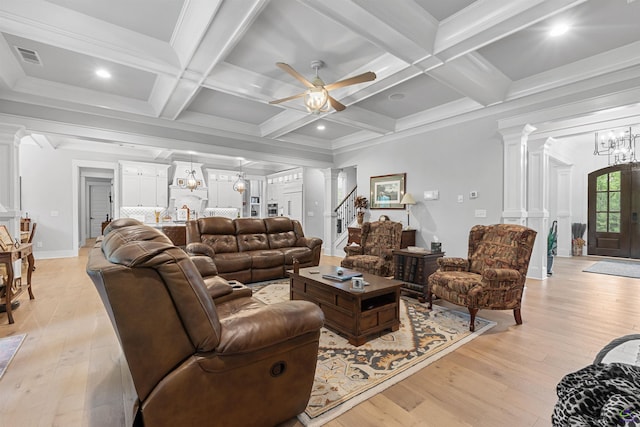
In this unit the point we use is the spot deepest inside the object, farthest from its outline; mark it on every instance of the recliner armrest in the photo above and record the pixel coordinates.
(309, 242)
(386, 254)
(205, 265)
(200, 249)
(500, 277)
(253, 329)
(353, 250)
(453, 264)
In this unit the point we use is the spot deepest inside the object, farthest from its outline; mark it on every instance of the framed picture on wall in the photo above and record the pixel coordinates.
(387, 191)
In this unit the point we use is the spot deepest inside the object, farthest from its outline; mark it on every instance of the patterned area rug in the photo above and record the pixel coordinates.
(347, 375)
(8, 348)
(616, 268)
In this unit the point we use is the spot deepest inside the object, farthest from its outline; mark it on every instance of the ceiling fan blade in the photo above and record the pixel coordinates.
(289, 98)
(294, 73)
(336, 104)
(365, 77)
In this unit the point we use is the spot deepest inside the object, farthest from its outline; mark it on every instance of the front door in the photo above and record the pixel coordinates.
(614, 206)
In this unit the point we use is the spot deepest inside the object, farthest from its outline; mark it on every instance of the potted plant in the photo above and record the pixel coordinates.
(577, 240)
(360, 204)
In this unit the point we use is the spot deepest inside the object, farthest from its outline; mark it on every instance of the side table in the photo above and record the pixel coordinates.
(414, 268)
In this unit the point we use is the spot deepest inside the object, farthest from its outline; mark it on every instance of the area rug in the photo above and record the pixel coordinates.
(348, 375)
(616, 268)
(8, 348)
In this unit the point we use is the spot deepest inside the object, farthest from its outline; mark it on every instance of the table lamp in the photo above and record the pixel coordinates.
(408, 200)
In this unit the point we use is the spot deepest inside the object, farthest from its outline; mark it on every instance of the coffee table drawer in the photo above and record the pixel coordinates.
(338, 318)
(378, 317)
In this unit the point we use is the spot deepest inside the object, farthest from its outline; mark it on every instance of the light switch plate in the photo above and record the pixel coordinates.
(460, 198)
(431, 195)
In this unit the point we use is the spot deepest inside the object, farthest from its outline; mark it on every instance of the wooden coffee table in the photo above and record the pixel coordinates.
(356, 315)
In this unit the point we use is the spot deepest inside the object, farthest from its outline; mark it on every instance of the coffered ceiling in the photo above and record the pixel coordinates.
(198, 75)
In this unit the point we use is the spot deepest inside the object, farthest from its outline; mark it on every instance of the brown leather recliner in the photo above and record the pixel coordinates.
(194, 361)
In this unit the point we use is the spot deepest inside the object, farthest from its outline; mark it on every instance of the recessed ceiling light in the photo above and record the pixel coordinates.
(396, 96)
(559, 29)
(321, 127)
(103, 74)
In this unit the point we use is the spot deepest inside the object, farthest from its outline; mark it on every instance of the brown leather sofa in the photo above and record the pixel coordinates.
(201, 354)
(252, 249)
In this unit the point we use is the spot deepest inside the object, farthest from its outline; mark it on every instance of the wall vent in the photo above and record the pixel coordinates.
(28, 55)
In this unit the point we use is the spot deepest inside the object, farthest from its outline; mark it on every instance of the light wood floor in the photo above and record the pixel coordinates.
(67, 372)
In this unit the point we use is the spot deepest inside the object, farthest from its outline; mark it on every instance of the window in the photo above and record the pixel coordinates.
(608, 202)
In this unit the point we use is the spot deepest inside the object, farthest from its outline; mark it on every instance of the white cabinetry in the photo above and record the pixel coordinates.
(221, 192)
(285, 190)
(144, 184)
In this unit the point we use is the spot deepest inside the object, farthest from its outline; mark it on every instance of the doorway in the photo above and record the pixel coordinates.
(99, 205)
(613, 208)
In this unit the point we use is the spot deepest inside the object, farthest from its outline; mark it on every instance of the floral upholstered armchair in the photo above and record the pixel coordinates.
(375, 253)
(492, 277)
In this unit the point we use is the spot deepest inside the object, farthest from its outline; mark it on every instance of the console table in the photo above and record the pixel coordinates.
(408, 237)
(13, 290)
(414, 268)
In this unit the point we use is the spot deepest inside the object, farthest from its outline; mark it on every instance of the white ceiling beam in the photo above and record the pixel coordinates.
(57, 26)
(407, 31)
(485, 21)
(475, 77)
(224, 32)
(587, 68)
(10, 72)
(60, 93)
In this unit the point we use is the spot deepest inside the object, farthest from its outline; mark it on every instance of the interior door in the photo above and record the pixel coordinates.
(614, 206)
(99, 208)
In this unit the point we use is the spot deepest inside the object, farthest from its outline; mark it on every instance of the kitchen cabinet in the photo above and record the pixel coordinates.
(284, 190)
(144, 184)
(221, 192)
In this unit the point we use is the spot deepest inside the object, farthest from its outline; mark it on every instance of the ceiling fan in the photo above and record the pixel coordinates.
(316, 97)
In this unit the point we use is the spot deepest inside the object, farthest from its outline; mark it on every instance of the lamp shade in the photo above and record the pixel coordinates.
(407, 199)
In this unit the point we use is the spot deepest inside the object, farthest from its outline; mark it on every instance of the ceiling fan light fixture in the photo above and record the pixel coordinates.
(315, 99)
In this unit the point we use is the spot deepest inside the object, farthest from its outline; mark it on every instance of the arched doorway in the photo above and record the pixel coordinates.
(614, 205)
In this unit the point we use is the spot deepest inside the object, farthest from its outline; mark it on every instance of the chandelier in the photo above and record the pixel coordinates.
(240, 185)
(620, 148)
(190, 181)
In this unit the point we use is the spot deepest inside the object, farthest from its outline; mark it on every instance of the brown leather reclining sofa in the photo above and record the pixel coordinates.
(199, 352)
(252, 249)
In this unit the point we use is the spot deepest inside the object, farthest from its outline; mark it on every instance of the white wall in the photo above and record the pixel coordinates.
(454, 161)
(313, 192)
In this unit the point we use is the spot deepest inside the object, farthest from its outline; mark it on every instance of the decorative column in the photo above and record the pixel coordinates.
(515, 178)
(538, 200)
(564, 197)
(10, 136)
(330, 200)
